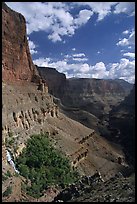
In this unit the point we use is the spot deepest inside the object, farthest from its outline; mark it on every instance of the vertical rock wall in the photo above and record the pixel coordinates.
(17, 64)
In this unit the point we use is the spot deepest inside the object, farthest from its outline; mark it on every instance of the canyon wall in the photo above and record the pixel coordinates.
(17, 65)
(122, 125)
(96, 96)
(56, 81)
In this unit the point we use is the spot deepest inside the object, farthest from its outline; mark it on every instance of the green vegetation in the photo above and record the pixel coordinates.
(8, 191)
(44, 166)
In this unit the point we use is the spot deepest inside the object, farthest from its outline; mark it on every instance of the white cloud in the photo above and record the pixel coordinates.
(83, 17)
(123, 42)
(54, 37)
(67, 56)
(125, 69)
(129, 54)
(51, 17)
(42, 62)
(99, 71)
(85, 68)
(73, 49)
(105, 8)
(80, 59)
(125, 32)
(127, 41)
(32, 47)
(131, 38)
(79, 55)
(101, 8)
(125, 7)
(56, 19)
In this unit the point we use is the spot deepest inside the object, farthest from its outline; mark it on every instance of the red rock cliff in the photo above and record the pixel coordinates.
(17, 64)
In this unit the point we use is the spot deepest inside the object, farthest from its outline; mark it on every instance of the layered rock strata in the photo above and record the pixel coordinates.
(17, 65)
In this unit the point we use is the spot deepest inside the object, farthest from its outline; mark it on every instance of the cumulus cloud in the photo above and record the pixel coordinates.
(99, 71)
(124, 69)
(57, 20)
(127, 41)
(67, 56)
(42, 62)
(103, 9)
(123, 42)
(54, 37)
(125, 32)
(51, 17)
(32, 47)
(129, 54)
(83, 17)
(79, 55)
(80, 59)
(73, 49)
(125, 7)
(100, 8)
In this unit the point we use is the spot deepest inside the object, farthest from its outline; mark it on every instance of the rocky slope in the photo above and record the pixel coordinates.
(31, 111)
(87, 101)
(17, 65)
(117, 189)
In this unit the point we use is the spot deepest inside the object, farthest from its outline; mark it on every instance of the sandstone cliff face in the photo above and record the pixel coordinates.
(56, 81)
(17, 64)
(25, 109)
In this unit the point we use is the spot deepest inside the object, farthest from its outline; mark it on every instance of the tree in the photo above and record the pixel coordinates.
(44, 165)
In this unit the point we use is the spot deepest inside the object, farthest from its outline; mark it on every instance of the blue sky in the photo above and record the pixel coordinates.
(82, 39)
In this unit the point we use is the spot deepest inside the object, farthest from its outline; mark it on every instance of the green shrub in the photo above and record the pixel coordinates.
(44, 165)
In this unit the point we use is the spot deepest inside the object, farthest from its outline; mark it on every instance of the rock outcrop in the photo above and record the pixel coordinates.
(91, 189)
(56, 81)
(17, 65)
